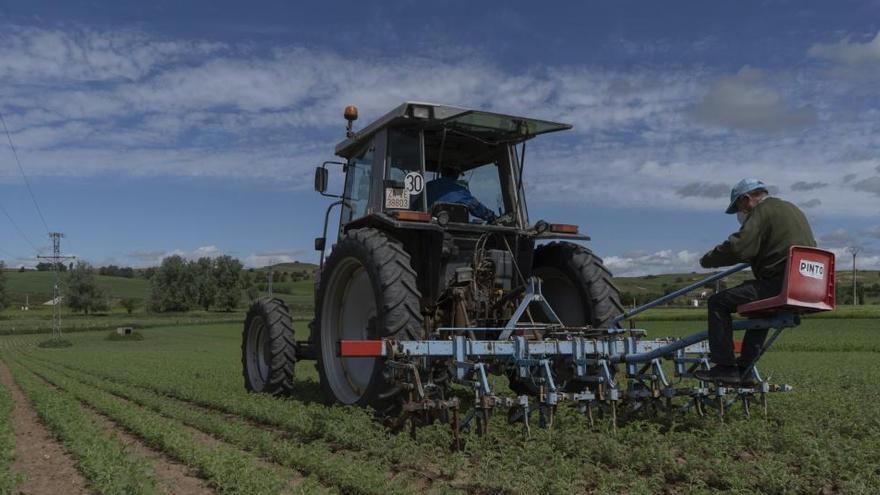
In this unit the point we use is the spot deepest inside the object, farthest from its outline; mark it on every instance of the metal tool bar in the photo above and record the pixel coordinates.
(679, 292)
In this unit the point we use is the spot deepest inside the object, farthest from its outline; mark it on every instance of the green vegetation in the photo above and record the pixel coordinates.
(133, 336)
(8, 480)
(4, 297)
(101, 458)
(228, 470)
(55, 343)
(82, 293)
(824, 437)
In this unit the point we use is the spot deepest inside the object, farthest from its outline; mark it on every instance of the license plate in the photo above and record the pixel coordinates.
(396, 199)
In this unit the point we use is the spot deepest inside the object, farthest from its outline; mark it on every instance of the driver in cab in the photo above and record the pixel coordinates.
(446, 189)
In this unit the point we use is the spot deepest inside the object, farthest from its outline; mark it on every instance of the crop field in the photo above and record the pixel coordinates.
(169, 414)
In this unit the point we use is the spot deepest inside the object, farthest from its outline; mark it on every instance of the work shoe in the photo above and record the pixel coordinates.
(723, 374)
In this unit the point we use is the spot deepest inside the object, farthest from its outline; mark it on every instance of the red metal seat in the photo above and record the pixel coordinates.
(807, 287)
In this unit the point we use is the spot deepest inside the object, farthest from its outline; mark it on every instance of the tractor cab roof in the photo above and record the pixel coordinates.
(492, 128)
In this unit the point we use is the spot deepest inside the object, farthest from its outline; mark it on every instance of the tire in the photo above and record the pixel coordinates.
(579, 289)
(577, 285)
(368, 291)
(268, 354)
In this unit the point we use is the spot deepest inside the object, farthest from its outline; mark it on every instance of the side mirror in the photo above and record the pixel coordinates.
(320, 242)
(320, 179)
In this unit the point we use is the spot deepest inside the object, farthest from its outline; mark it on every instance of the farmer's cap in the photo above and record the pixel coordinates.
(742, 187)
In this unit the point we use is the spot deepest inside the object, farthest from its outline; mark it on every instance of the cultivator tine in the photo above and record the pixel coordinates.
(590, 415)
(614, 416)
(746, 409)
(456, 430)
(764, 404)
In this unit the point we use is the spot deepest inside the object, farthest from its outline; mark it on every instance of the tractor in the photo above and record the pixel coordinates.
(418, 293)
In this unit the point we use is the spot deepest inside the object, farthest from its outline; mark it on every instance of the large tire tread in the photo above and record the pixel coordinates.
(282, 349)
(399, 313)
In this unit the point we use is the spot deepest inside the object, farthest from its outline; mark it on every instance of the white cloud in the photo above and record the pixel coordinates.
(81, 106)
(848, 52)
(664, 261)
(747, 101)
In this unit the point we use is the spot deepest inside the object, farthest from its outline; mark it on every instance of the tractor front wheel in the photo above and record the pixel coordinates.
(268, 354)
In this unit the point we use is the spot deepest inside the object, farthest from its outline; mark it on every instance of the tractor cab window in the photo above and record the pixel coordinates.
(485, 185)
(357, 184)
(404, 181)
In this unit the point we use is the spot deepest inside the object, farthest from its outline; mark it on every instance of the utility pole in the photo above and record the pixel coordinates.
(854, 251)
(271, 276)
(56, 290)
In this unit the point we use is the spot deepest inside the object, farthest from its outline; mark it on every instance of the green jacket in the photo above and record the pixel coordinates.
(763, 240)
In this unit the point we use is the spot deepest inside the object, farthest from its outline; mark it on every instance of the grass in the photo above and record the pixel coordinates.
(228, 470)
(823, 437)
(699, 314)
(13, 321)
(8, 479)
(101, 458)
(133, 336)
(39, 286)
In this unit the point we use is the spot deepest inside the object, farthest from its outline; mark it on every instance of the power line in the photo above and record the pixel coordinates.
(23, 176)
(20, 232)
(7, 253)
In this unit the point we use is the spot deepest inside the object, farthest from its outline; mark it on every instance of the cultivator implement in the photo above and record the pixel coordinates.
(612, 372)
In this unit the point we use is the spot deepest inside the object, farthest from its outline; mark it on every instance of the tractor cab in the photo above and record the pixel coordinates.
(393, 165)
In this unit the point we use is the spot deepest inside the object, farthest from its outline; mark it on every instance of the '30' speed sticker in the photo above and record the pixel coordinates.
(414, 183)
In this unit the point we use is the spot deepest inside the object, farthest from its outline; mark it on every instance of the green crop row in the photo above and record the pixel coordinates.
(823, 437)
(100, 457)
(227, 469)
(194, 380)
(8, 480)
(350, 472)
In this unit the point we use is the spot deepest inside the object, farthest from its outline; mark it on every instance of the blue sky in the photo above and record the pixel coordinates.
(151, 128)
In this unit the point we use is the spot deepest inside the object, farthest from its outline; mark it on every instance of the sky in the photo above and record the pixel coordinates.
(147, 129)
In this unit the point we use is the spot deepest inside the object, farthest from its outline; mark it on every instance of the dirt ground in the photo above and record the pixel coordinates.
(48, 468)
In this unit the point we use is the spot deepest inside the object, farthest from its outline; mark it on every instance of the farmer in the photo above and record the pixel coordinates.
(446, 189)
(769, 227)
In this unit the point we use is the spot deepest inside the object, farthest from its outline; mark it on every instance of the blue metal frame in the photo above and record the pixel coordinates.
(589, 356)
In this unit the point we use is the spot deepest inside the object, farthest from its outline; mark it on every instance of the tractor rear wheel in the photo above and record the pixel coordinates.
(577, 285)
(367, 291)
(268, 355)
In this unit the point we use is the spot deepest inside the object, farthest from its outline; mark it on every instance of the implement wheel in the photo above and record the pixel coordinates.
(367, 291)
(268, 354)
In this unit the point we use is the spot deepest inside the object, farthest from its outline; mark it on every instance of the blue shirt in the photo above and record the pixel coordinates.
(446, 190)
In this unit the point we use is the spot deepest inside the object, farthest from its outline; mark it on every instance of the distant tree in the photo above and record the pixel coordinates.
(227, 273)
(4, 297)
(21, 269)
(253, 293)
(45, 266)
(206, 281)
(149, 272)
(83, 293)
(129, 303)
(173, 287)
